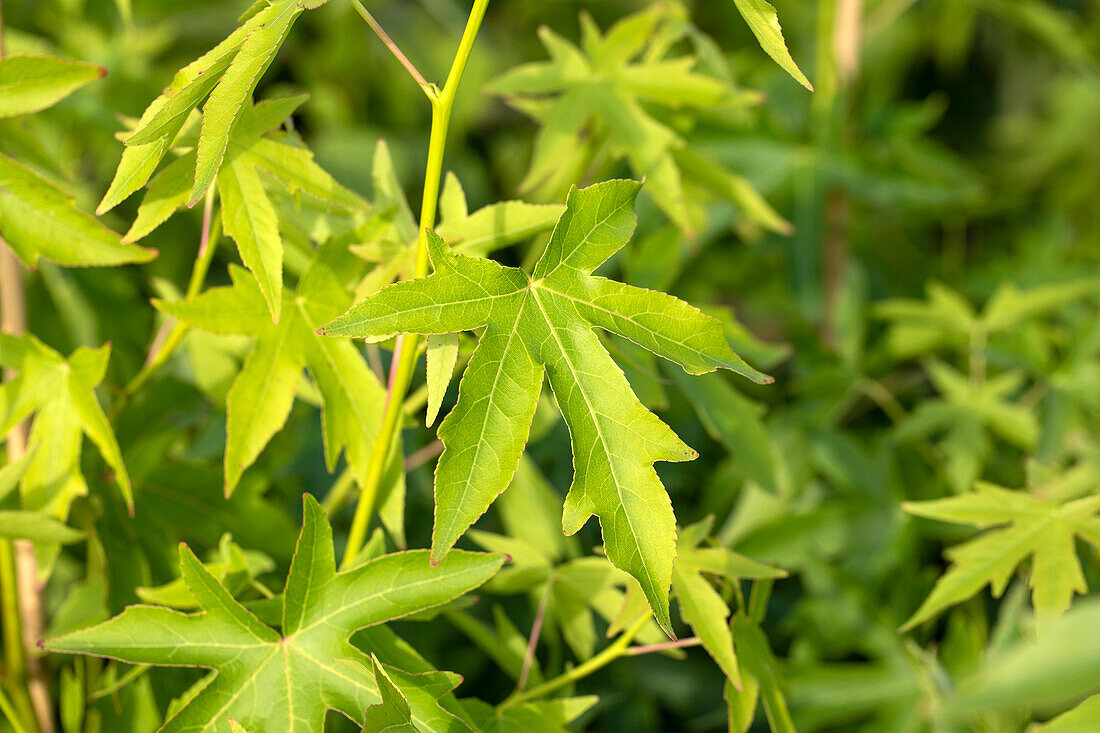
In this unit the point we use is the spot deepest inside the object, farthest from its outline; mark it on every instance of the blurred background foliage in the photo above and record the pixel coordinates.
(930, 316)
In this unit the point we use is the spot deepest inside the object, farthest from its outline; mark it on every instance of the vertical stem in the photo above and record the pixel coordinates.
(22, 603)
(847, 41)
(405, 353)
(22, 606)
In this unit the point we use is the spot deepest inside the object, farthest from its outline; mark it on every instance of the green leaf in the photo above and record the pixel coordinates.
(1028, 525)
(37, 527)
(228, 73)
(39, 220)
(762, 678)
(249, 217)
(442, 355)
(764, 24)
(248, 214)
(969, 416)
(231, 566)
(701, 607)
(598, 97)
(541, 716)
(1054, 669)
(261, 396)
(1078, 720)
(310, 662)
(733, 419)
(60, 393)
(235, 89)
(32, 83)
(393, 714)
(480, 233)
(545, 322)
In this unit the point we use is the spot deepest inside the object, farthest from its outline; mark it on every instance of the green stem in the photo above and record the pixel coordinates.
(404, 358)
(618, 648)
(130, 675)
(9, 713)
(14, 665)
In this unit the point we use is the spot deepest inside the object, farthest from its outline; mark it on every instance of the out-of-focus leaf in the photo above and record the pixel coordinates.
(39, 220)
(1042, 529)
(32, 83)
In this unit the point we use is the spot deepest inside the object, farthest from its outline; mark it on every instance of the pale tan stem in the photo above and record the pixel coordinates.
(848, 39)
(13, 320)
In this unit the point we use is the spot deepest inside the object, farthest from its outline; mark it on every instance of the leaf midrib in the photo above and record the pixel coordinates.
(595, 419)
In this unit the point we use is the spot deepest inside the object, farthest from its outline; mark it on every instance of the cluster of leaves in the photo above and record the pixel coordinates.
(767, 551)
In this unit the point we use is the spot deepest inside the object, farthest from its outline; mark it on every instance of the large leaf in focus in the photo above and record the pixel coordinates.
(602, 84)
(31, 83)
(479, 233)
(545, 321)
(40, 220)
(285, 680)
(260, 399)
(1036, 525)
(228, 74)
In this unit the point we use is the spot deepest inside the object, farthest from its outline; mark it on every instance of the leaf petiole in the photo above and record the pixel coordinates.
(393, 47)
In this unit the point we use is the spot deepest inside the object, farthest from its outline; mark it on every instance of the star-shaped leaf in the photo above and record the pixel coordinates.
(601, 93)
(968, 415)
(60, 393)
(1042, 525)
(228, 74)
(545, 322)
(262, 394)
(285, 680)
(248, 214)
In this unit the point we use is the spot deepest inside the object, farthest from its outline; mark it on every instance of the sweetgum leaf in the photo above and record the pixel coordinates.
(393, 714)
(32, 83)
(269, 680)
(248, 214)
(39, 220)
(60, 393)
(545, 322)
(701, 607)
(604, 90)
(228, 74)
(262, 394)
(764, 24)
(1026, 525)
